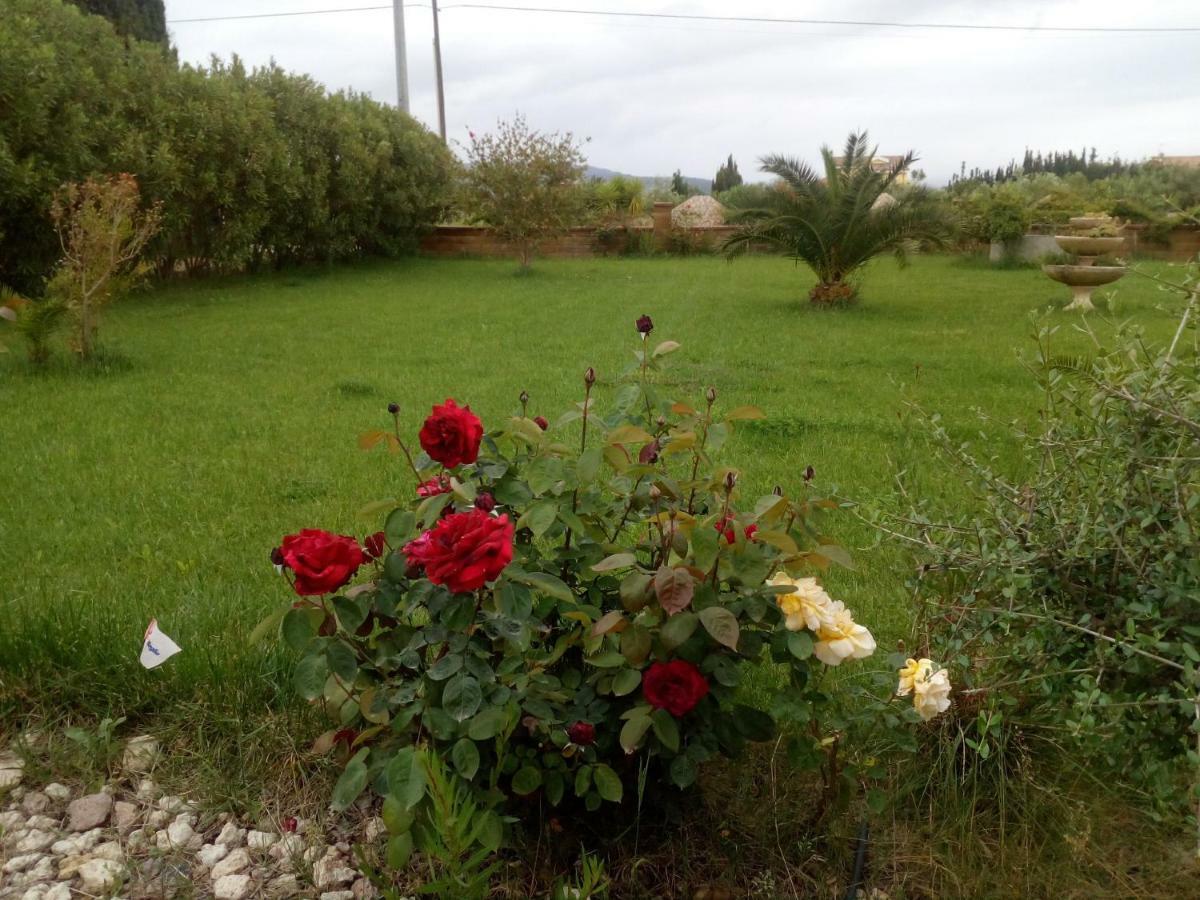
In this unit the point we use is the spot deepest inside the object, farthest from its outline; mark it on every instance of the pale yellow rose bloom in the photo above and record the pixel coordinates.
(931, 694)
(840, 637)
(914, 669)
(807, 606)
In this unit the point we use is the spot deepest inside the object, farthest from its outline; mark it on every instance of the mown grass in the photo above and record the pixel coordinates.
(225, 414)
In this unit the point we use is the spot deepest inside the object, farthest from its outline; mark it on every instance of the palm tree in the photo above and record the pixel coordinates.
(838, 223)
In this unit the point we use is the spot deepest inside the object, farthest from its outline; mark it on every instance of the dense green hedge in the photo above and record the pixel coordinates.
(251, 167)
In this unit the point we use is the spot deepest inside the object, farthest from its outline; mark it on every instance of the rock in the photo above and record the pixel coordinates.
(147, 789)
(77, 843)
(172, 804)
(100, 875)
(312, 854)
(44, 823)
(10, 819)
(68, 866)
(59, 793)
(289, 846)
(158, 818)
(33, 841)
(231, 864)
(42, 870)
(260, 840)
(60, 891)
(338, 895)
(89, 812)
(136, 839)
(20, 863)
(140, 754)
(179, 834)
(211, 854)
(284, 886)
(12, 770)
(363, 890)
(35, 802)
(231, 835)
(374, 830)
(109, 850)
(125, 815)
(233, 887)
(331, 871)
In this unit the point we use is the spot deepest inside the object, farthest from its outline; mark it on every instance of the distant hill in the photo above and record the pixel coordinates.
(703, 184)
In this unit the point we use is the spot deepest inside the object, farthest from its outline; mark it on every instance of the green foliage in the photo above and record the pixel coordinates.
(142, 19)
(1007, 218)
(681, 187)
(727, 176)
(1069, 600)
(257, 167)
(35, 321)
(833, 223)
(524, 184)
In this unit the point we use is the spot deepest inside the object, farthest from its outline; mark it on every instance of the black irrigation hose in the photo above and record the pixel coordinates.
(860, 859)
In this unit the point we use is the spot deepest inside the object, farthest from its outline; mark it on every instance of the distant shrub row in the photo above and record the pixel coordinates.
(251, 167)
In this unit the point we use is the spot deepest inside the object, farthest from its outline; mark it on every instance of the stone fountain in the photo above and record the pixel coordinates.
(1085, 276)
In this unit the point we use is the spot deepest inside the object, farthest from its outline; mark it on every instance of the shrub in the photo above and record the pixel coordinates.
(102, 230)
(36, 322)
(566, 610)
(524, 184)
(1006, 218)
(1068, 598)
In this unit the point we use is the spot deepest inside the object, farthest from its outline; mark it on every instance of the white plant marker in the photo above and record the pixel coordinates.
(157, 648)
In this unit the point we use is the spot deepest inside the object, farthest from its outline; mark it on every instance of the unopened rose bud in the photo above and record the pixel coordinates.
(730, 480)
(589, 377)
(661, 422)
(645, 325)
(394, 408)
(485, 502)
(655, 492)
(541, 422)
(777, 490)
(524, 398)
(277, 556)
(809, 473)
(711, 395)
(649, 453)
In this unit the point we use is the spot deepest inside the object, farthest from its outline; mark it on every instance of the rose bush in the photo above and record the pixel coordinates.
(566, 608)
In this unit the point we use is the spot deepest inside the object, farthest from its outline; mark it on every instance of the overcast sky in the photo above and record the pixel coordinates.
(655, 95)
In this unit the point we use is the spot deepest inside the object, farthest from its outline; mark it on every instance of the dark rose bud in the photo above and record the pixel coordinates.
(730, 480)
(655, 492)
(645, 325)
(649, 453)
(589, 377)
(582, 733)
(750, 532)
(485, 501)
(711, 395)
(777, 490)
(394, 408)
(277, 557)
(345, 736)
(661, 422)
(809, 473)
(541, 422)
(374, 545)
(524, 398)
(289, 825)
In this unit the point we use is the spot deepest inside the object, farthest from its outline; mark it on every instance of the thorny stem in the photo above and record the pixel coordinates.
(404, 447)
(696, 453)
(587, 404)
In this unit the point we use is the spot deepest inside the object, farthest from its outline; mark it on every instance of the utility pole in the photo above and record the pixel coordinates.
(401, 56)
(437, 62)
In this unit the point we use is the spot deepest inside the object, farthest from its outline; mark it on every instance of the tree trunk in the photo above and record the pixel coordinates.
(832, 293)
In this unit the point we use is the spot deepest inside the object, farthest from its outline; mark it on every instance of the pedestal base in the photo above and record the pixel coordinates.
(1081, 298)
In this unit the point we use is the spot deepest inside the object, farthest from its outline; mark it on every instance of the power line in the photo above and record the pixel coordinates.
(866, 23)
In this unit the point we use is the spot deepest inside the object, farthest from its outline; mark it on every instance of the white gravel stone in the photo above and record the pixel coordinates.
(147, 789)
(172, 804)
(43, 870)
(125, 815)
(233, 887)
(109, 850)
(331, 871)
(178, 835)
(338, 895)
(89, 812)
(100, 875)
(260, 840)
(35, 802)
(374, 829)
(34, 840)
(233, 863)
(137, 839)
(12, 770)
(60, 891)
(20, 863)
(231, 835)
(289, 845)
(77, 843)
(211, 854)
(10, 819)
(37, 892)
(68, 866)
(284, 886)
(140, 754)
(59, 793)
(158, 818)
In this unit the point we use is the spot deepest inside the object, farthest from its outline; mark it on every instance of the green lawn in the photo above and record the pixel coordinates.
(157, 485)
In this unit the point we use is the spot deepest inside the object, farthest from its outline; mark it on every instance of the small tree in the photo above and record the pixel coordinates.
(727, 176)
(102, 231)
(681, 186)
(524, 184)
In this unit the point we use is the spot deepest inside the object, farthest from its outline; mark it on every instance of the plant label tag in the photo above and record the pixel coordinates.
(157, 648)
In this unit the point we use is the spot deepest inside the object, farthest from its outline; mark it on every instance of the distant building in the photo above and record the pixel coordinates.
(885, 164)
(1185, 162)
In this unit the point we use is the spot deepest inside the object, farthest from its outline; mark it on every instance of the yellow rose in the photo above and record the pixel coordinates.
(931, 694)
(840, 637)
(914, 670)
(805, 606)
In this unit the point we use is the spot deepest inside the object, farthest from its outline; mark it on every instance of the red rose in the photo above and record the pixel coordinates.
(434, 486)
(451, 435)
(751, 531)
(582, 733)
(464, 550)
(374, 545)
(676, 686)
(540, 422)
(289, 825)
(323, 562)
(725, 527)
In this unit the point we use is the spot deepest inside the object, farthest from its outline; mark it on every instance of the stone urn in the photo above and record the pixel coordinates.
(1084, 276)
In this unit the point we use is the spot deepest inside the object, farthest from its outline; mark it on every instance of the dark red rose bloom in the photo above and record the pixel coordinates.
(323, 562)
(451, 435)
(374, 545)
(649, 454)
(809, 473)
(582, 733)
(645, 325)
(676, 686)
(541, 422)
(485, 502)
(726, 527)
(434, 486)
(464, 550)
(277, 556)
(751, 531)
(289, 825)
